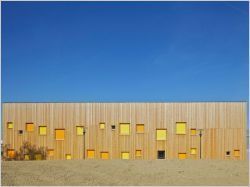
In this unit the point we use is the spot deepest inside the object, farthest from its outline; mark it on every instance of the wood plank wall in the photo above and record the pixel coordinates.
(223, 124)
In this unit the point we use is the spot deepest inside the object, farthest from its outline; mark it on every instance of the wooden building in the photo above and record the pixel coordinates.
(188, 130)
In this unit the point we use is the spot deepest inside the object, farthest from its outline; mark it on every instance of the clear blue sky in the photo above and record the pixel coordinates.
(124, 51)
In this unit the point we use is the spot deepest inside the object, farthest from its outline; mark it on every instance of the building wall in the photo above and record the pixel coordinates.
(223, 127)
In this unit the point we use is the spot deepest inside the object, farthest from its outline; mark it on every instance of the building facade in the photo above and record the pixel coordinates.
(188, 130)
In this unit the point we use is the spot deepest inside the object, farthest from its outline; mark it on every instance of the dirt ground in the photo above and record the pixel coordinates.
(125, 172)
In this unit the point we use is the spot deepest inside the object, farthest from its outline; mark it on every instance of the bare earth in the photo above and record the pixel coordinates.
(125, 172)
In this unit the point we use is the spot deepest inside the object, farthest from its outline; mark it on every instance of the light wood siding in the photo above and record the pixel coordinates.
(223, 127)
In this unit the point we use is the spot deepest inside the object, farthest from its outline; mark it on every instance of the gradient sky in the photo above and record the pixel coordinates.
(124, 51)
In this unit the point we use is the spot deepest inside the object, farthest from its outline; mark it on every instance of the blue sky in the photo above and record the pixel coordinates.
(124, 51)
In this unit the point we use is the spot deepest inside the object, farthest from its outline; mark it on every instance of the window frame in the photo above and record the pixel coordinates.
(79, 126)
(104, 152)
(139, 124)
(63, 135)
(191, 130)
(102, 124)
(182, 154)
(39, 132)
(88, 154)
(161, 129)
(124, 152)
(123, 134)
(33, 127)
(10, 123)
(138, 150)
(176, 128)
(193, 148)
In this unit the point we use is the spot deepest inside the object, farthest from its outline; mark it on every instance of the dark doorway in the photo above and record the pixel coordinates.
(161, 155)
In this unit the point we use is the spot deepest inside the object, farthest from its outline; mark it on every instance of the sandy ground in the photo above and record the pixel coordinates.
(122, 172)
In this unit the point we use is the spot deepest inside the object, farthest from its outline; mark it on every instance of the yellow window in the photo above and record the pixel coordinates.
(104, 155)
(140, 128)
(11, 153)
(60, 134)
(138, 153)
(68, 156)
(10, 125)
(38, 157)
(79, 130)
(193, 131)
(26, 157)
(182, 156)
(125, 155)
(30, 127)
(180, 128)
(91, 153)
(236, 152)
(50, 152)
(102, 125)
(124, 129)
(161, 134)
(193, 151)
(42, 130)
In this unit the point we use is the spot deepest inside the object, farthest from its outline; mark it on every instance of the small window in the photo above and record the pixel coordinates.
(139, 128)
(193, 132)
(227, 153)
(50, 152)
(125, 155)
(20, 131)
(113, 127)
(161, 154)
(138, 153)
(26, 157)
(180, 128)
(11, 153)
(124, 129)
(193, 151)
(38, 157)
(30, 127)
(42, 130)
(182, 156)
(104, 155)
(237, 153)
(10, 125)
(161, 134)
(102, 125)
(79, 130)
(68, 156)
(60, 134)
(91, 153)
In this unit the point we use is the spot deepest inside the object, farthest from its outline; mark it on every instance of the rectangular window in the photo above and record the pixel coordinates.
(161, 154)
(91, 153)
(30, 127)
(182, 156)
(125, 155)
(193, 151)
(38, 157)
(139, 128)
(11, 153)
(124, 129)
(102, 125)
(60, 134)
(227, 153)
(26, 157)
(161, 134)
(113, 127)
(79, 130)
(42, 130)
(20, 131)
(180, 128)
(237, 153)
(193, 132)
(50, 152)
(104, 155)
(68, 156)
(138, 153)
(10, 125)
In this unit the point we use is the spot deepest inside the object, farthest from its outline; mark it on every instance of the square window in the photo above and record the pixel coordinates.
(161, 154)
(26, 157)
(138, 153)
(125, 155)
(227, 153)
(38, 157)
(139, 128)
(180, 128)
(161, 134)
(30, 127)
(124, 129)
(193, 132)
(50, 152)
(42, 130)
(11, 153)
(79, 130)
(102, 125)
(113, 127)
(68, 156)
(20, 131)
(104, 155)
(193, 151)
(60, 134)
(91, 153)
(237, 153)
(182, 156)
(10, 125)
